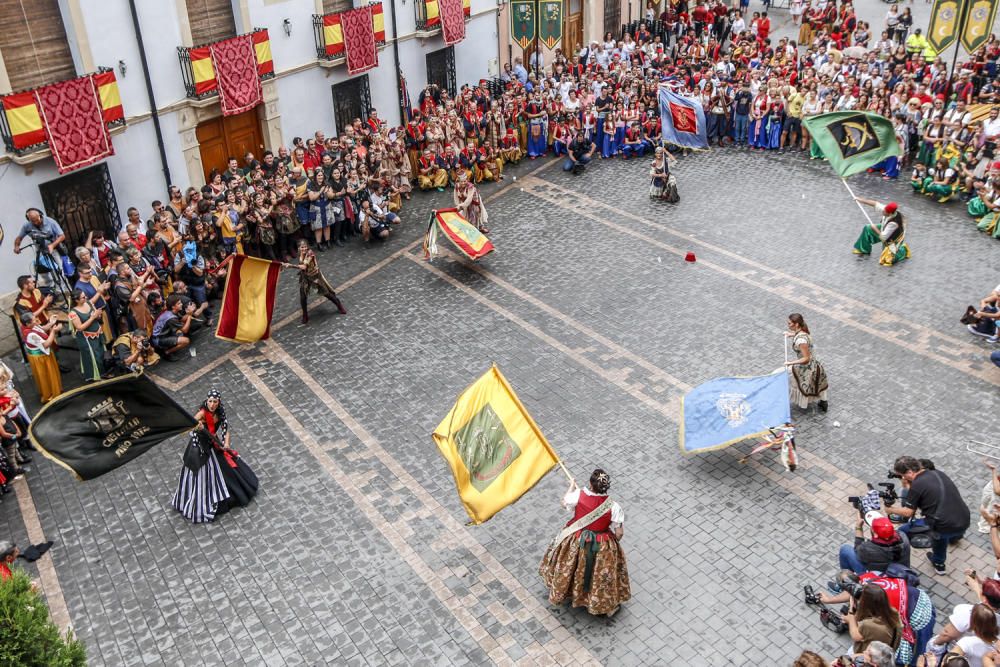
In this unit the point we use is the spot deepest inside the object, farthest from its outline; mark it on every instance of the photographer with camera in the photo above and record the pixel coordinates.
(42, 230)
(580, 151)
(134, 352)
(886, 546)
(938, 500)
(171, 329)
(912, 605)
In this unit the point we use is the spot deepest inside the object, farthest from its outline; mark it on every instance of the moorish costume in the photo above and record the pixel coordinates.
(311, 278)
(891, 233)
(214, 477)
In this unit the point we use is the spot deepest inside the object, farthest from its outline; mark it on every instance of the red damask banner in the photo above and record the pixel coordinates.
(452, 21)
(74, 123)
(235, 65)
(359, 37)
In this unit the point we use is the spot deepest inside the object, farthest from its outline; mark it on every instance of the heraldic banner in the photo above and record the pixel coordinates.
(945, 18)
(978, 22)
(852, 141)
(683, 120)
(96, 428)
(550, 28)
(494, 448)
(725, 411)
(522, 22)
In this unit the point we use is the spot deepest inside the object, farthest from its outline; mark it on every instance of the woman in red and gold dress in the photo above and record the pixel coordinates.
(585, 563)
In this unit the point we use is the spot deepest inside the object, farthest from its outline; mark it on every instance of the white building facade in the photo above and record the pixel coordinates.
(305, 94)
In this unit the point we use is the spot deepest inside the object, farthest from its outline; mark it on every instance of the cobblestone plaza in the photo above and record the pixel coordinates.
(356, 550)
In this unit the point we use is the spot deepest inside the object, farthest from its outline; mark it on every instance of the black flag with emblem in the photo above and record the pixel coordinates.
(853, 141)
(96, 428)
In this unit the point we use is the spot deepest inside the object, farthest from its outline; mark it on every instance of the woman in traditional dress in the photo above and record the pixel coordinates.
(659, 174)
(891, 232)
(469, 203)
(133, 290)
(538, 125)
(585, 563)
(203, 490)
(311, 278)
(808, 381)
(39, 342)
(86, 321)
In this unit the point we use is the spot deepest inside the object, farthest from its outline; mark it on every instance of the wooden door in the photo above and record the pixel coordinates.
(573, 30)
(228, 136)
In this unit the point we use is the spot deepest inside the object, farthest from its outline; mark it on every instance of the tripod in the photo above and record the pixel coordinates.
(48, 274)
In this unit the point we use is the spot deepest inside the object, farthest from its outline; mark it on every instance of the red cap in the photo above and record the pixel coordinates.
(995, 165)
(883, 529)
(891, 207)
(939, 96)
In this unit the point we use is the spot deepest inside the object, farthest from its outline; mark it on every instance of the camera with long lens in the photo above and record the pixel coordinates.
(829, 617)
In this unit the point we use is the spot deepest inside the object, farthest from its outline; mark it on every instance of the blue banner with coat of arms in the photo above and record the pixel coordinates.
(724, 411)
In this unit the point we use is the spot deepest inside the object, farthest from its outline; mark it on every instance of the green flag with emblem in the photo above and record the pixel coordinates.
(853, 141)
(550, 29)
(522, 22)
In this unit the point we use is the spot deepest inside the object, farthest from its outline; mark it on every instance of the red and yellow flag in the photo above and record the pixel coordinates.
(248, 301)
(467, 8)
(111, 98)
(448, 221)
(333, 35)
(378, 23)
(433, 13)
(262, 49)
(495, 450)
(24, 120)
(204, 73)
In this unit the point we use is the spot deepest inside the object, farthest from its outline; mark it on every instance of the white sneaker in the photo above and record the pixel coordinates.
(975, 332)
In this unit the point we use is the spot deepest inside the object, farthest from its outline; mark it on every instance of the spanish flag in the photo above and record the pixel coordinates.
(378, 23)
(262, 49)
(494, 448)
(24, 120)
(448, 221)
(248, 301)
(204, 73)
(467, 8)
(111, 98)
(433, 13)
(333, 35)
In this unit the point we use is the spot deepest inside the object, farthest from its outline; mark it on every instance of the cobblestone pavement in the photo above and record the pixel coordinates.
(356, 550)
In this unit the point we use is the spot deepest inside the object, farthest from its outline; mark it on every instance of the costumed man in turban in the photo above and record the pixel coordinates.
(890, 232)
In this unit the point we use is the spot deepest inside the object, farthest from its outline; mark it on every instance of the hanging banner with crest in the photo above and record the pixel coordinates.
(550, 28)
(522, 22)
(945, 18)
(978, 21)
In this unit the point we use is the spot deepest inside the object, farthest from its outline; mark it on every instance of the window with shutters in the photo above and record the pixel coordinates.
(210, 20)
(33, 43)
(335, 6)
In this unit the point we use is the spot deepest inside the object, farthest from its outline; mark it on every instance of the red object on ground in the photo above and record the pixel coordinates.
(690, 257)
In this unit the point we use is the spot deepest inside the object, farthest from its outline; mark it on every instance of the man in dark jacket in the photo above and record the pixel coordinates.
(887, 545)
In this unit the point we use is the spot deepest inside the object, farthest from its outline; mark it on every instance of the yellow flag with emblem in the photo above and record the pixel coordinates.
(494, 448)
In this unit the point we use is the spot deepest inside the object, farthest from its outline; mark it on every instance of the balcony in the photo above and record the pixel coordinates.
(328, 36)
(21, 126)
(428, 16)
(199, 75)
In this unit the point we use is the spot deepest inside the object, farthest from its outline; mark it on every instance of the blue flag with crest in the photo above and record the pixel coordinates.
(724, 411)
(682, 120)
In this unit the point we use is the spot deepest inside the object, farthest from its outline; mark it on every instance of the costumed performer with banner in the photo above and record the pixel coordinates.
(214, 477)
(808, 382)
(469, 203)
(890, 232)
(585, 562)
(311, 278)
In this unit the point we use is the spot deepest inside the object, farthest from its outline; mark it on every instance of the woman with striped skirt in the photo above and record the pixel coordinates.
(215, 477)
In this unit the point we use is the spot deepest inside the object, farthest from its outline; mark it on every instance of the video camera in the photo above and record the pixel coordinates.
(829, 617)
(873, 500)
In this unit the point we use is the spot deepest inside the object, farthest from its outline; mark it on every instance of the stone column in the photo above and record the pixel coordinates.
(187, 123)
(270, 118)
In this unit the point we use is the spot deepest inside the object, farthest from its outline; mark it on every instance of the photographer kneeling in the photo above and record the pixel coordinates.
(885, 546)
(936, 496)
(912, 608)
(579, 153)
(134, 352)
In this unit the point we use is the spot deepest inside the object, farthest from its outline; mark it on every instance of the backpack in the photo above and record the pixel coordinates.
(900, 571)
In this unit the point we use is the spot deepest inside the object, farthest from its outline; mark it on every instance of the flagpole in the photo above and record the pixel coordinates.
(851, 192)
(561, 465)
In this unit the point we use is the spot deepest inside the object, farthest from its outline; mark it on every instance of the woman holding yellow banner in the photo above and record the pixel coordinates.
(585, 563)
